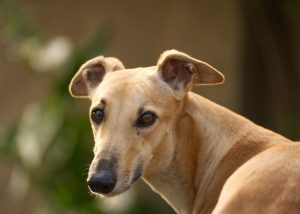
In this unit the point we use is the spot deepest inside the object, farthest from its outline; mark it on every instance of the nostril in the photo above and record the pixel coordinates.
(92, 185)
(102, 182)
(106, 188)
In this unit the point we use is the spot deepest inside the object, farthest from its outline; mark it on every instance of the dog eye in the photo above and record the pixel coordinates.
(97, 115)
(146, 119)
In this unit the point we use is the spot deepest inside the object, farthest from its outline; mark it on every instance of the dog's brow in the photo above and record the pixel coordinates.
(141, 110)
(103, 102)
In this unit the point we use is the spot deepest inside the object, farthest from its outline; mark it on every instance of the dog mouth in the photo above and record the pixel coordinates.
(128, 181)
(137, 173)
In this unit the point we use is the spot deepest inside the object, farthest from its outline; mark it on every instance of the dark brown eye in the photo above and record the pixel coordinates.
(146, 119)
(97, 115)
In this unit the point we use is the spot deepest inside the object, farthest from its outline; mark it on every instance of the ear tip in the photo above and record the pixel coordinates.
(72, 90)
(222, 78)
(218, 81)
(75, 92)
(115, 63)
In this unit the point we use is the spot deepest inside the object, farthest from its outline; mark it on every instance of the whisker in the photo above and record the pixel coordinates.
(86, 169)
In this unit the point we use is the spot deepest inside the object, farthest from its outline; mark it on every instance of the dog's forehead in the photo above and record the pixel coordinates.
(134, 76)
(134, 84)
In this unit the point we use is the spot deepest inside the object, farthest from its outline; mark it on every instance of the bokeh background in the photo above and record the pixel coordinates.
(45, 139)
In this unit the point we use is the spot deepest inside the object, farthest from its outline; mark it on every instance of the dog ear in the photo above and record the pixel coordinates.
(181, 71)
(91, 73)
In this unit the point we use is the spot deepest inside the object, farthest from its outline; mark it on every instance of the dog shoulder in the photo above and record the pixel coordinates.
(268, 183)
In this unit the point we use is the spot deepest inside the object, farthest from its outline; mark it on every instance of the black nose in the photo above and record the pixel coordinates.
(102, 182)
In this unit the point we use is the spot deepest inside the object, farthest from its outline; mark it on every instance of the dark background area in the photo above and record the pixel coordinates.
(45, 137)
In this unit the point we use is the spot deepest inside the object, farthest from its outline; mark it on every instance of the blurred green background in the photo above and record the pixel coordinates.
(45, 137)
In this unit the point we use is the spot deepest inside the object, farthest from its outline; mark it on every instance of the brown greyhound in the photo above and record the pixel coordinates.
(147, 123)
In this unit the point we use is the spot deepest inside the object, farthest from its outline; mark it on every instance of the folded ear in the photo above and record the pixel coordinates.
(91, 73)
(181, 71)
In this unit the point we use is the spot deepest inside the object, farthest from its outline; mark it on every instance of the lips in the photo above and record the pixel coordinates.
(137, 173)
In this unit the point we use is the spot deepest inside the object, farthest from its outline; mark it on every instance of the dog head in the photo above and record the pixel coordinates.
(133, 112)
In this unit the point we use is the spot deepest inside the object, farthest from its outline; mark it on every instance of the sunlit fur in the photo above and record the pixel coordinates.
(193, 148)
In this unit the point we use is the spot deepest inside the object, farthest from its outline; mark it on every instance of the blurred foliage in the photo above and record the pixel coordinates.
(59, 176)
(51, 144)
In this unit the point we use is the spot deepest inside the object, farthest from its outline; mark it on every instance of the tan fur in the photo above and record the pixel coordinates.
(195, 146)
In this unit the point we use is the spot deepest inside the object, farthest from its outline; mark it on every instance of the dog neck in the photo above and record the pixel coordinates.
(210, 143)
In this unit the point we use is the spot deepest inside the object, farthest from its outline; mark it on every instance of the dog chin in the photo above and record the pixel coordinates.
(111, 194)
(118, 191)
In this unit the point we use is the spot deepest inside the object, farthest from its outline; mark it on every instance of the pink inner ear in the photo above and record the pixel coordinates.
(79, 87)
(170, 70)
(175, 71)
(94, 74)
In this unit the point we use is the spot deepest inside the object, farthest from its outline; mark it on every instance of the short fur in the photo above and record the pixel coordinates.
(194, 147)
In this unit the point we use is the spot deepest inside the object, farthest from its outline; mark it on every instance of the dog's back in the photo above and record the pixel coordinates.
(267, 183)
